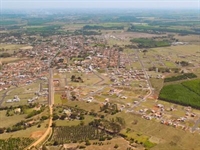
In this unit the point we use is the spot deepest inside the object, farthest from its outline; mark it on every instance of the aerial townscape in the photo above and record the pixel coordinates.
(111, 78)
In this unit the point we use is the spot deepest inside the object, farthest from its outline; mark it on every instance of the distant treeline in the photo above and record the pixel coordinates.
(158, 29)
(95, 27)
(85, 32)
(180, 77)
(43, 31)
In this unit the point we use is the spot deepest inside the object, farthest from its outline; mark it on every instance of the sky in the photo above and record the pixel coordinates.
(151, 4)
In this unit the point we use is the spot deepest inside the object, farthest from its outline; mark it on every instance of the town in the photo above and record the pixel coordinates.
(98, 85)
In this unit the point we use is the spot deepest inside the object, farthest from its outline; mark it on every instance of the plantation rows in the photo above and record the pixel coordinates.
(15, 143)
(179, 94)
(76, 133)
(193, 85)
(180, 77)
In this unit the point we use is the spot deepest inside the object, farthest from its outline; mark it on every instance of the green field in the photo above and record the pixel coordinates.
(193, 85)
(15, 143)
(149, 43)
(186, 93)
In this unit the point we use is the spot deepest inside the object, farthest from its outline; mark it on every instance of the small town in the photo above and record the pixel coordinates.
(125, 80)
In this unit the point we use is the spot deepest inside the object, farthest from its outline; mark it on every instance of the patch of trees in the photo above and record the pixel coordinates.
(158, 30)
(77, 113)
(85, 32)
(180, 77)
(76, 134)
(131, 46)
(35, 112)
(109, 108)
(4, 55)
(95, 27)
(179, 94)
(149, 43)
(112, 126)
(163, 70)
(76, 79)
(15, 143)
(182, 63)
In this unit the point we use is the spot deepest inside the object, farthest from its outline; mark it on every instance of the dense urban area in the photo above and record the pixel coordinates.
(118, 79)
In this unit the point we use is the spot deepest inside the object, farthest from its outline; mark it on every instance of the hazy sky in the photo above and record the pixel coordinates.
(100, 4)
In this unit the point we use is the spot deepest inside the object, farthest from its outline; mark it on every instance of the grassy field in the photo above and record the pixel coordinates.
(33, 131)
(157, 84)
(164, 135)
(9, 121)
(24, 93)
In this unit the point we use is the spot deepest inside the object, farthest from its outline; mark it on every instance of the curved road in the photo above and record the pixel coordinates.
(47, 132)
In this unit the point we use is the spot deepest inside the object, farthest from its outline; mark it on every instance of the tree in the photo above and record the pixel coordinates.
(53, 125)
(116, 146)
(82, 123)
(73, 77)
(87, 142)
(44, 147)
(1, 130)
(55, 117)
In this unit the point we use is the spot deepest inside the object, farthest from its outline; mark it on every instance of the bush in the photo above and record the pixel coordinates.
(55, 143)
(87, 142)
(44, 118)
(1, 130)
(82, 147)
(116, 146)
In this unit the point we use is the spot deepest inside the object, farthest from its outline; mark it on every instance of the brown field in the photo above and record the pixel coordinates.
(193, 39)
(11, 59)
(10, 46)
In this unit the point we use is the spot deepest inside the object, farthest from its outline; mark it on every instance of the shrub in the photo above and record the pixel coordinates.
(116, 146)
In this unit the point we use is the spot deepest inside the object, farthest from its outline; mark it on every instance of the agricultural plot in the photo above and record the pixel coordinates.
(193, 85)
(184, 94)
(180, 77)
(15, 143)
(76, 133)
(148, 43)
(5, 47)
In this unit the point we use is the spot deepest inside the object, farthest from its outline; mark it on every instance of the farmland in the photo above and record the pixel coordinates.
(186, 93)
(193, 85)
(15, 143)
(180, 77)
(149, 43)
(76, 133)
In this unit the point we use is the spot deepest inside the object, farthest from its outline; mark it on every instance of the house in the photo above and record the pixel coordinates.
(68, 112)
(17, 110)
